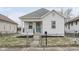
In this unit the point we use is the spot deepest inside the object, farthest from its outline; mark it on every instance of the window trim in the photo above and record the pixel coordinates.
(30, 25)
(53, 24)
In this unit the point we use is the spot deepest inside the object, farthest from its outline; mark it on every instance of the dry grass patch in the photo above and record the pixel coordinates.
(64, 41)
(14, 42)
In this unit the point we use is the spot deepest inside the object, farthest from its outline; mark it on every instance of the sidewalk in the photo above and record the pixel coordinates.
(41, 49)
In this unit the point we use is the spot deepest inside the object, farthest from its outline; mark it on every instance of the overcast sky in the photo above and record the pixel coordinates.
(15, 12)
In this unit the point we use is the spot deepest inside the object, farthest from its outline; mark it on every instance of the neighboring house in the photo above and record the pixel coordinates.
(7, 25)
(43, 20)
(72, 26)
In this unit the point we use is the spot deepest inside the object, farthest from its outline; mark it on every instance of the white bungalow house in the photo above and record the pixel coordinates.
(7, 25)
(43, 20)
(72, 26)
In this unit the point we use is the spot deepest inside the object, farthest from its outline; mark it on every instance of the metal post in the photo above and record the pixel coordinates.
(75, 34)
(75, 37)
(27, 38)
(46, 40)
(46, 37)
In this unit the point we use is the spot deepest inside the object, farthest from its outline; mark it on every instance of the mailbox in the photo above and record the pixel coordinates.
(45, 32)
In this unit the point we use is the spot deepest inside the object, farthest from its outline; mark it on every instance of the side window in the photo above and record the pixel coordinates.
(53, 24)
(30, 25)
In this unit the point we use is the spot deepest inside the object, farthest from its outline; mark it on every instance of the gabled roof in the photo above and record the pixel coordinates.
(39, 13)
(74, 19)
(4, 18)
(58, 13)
(36, 14)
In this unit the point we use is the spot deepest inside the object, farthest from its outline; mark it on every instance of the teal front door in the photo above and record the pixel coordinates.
(38, 27)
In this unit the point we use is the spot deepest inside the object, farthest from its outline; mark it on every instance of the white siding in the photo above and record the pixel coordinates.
(73, 27)
(59, 30)
(46, 25)
(6, 27)
(27, 30)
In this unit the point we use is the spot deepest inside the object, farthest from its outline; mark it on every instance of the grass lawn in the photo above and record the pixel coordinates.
(8, 41)
(64, 41)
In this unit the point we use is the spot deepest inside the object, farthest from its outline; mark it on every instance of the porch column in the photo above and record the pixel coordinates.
(34, 27)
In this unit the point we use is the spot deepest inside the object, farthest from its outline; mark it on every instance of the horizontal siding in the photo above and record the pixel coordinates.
(6, 27)
(73, 27)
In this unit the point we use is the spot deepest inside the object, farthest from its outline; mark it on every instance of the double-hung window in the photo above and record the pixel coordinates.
(30, 25)
(53, 24)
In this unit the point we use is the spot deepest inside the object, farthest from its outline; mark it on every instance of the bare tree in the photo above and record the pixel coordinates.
(68, 13)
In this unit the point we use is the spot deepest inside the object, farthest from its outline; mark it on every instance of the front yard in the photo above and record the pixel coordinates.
(57, 41)
(9, 41)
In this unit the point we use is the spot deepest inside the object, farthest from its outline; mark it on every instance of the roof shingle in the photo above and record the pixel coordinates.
(73, 20)
(4, 18)
(36, 14)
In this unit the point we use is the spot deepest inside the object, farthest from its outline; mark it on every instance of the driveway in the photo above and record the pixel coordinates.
(41, 49)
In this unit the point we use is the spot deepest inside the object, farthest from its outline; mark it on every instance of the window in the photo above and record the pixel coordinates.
(76, 22)
(53, 24)
(30, 25)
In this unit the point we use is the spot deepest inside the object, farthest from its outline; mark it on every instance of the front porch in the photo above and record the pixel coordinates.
(32, 28)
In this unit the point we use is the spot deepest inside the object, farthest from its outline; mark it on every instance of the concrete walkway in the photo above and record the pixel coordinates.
(35, 43)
